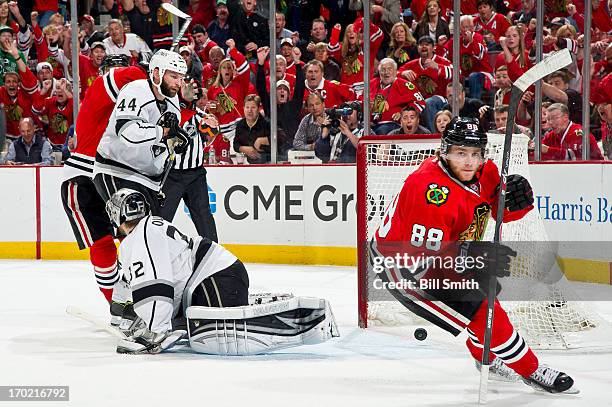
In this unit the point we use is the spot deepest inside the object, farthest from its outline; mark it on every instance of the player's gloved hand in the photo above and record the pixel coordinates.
(170, 121)
(490, 258)
(145, 341)
(519, 194)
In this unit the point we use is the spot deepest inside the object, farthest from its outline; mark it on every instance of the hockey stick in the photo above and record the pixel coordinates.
(85, 316)
(169, 165)
(170, 8)
(552, 63)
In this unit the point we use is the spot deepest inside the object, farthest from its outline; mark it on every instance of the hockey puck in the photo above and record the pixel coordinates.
(420, 334)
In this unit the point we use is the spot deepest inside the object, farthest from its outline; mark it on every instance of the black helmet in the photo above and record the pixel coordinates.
(463, 131)
(114, 60)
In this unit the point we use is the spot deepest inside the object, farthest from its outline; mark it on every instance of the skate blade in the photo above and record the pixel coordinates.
(571, 391)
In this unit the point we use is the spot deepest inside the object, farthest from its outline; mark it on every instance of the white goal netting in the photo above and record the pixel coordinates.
(549, 315)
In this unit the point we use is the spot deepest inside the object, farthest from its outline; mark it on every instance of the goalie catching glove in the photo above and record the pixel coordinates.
(180, 137)
(143, 340)
(519, 194)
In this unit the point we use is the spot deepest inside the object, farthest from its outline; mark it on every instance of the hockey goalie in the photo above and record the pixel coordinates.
(182, 286)
(441, 213)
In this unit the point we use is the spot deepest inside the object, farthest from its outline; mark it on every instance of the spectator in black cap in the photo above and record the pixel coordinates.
(202, 42)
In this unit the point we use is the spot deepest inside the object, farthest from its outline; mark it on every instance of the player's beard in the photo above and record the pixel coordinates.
(166, 91)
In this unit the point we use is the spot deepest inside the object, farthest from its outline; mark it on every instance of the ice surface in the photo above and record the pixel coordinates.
(41, 345)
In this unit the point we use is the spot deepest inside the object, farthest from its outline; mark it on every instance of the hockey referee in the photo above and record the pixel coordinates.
(187, 179)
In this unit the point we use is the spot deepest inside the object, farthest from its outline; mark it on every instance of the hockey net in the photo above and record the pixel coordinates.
(556, 320)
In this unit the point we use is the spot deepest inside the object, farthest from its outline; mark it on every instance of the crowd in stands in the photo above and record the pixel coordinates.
(319, 58)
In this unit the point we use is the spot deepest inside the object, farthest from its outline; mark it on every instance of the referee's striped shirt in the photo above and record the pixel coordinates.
(194, 156)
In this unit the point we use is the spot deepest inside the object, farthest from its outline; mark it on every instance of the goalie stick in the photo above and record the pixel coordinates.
(170, 8)
(552, 63)
(85, 316)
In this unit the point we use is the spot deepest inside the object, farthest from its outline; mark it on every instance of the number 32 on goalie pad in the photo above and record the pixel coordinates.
(261, 328)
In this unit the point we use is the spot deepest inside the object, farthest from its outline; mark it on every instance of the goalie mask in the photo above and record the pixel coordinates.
(463, 131)
(125, 205)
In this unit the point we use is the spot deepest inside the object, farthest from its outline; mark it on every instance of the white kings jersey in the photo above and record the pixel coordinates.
(131, 42)
(164, 267)
(132, 147)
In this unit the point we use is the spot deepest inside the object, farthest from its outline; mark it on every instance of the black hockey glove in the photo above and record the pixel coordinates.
(170, 121)
(490, 258)
(519, 194)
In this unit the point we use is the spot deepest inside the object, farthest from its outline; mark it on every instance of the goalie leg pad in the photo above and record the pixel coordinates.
(260, 328)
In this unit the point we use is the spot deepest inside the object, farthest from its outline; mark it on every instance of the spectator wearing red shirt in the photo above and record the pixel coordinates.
(564, 140)
(228, 91)
(350, 55)
(431, 74)
(474, 58)
(56, 110)
(332, 93)
(513, 54)
(15, 96)
(89, 66)
(203, 44)
(209, 70)
(389, 95)
(292, 56)
(490, 24)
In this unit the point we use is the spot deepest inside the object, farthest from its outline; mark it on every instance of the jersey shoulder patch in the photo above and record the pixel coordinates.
(437, 194)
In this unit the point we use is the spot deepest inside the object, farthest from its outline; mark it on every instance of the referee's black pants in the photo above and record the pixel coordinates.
(191, 185)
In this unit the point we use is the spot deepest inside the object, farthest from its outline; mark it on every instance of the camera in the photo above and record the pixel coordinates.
(335, 115)
(345, 109)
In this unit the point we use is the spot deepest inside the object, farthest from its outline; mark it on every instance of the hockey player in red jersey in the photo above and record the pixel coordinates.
(443, 209)
(82, 204)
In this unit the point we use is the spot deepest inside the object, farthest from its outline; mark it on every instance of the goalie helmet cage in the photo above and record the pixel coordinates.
(558, 320)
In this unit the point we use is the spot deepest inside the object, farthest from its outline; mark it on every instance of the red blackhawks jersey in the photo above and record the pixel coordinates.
(474, 55)
(497, 25)
(515, 68)
(88, 72)
(430, 81)
(58, 117)
(230, 98)
(93, 117)
(20, 106)
(568, 146)
(205, 50)
(333, 93)
(351, 67)
(386, 100)
(434, 205)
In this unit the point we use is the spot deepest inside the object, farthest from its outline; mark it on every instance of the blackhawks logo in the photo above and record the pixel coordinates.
(403, 57)
(426, 85)
(379, 105)
(436, 194)
(163, 17)
(14, 113)
(466, 63)
(476, 229)
(58, 124)
(352, 65)
(225, 103)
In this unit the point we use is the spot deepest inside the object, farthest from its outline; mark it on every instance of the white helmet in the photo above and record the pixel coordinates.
(166, 60)
(125, 205)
